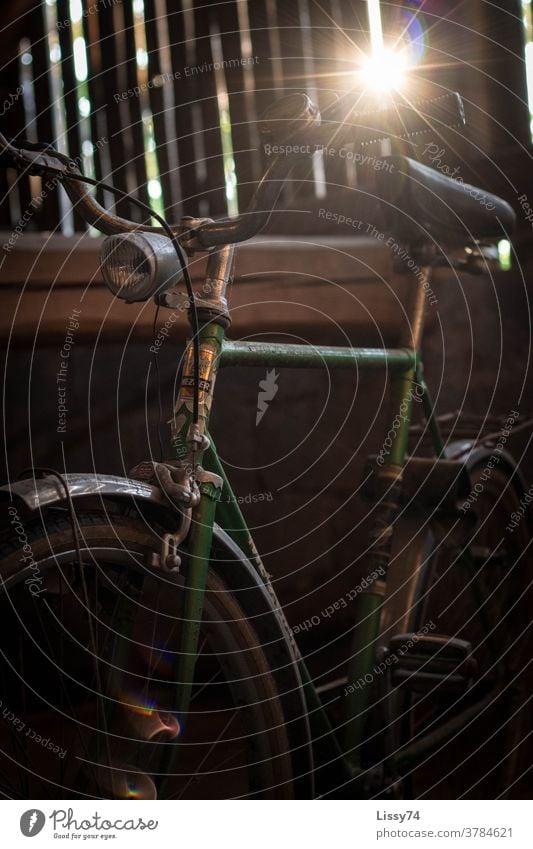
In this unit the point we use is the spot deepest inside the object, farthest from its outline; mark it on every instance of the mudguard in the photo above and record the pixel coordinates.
(39, 493)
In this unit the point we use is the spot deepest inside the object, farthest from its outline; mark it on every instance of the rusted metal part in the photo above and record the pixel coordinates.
(211, 300)
(174, 477)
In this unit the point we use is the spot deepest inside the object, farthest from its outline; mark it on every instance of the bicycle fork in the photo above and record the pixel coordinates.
(189, 442)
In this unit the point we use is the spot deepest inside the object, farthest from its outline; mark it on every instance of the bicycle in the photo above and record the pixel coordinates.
(138, 610)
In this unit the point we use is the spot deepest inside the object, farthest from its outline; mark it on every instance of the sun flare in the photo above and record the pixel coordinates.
(384, 70)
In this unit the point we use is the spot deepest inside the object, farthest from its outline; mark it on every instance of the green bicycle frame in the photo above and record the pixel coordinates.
(402, 365)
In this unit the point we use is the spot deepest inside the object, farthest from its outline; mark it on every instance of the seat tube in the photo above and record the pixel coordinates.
(387, 486)
(388, 475)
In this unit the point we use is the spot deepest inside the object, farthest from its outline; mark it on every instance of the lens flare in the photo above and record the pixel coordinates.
(133, 785)
(137, 704)
(160, 726)
(384, 70)
(121, 781)
(132, 789)
(413, 36)
(147, 719)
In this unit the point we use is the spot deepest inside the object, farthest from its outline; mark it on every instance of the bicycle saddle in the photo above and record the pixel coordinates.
(419, 204)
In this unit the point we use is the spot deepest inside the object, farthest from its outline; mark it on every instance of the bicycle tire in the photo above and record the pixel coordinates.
(113, 550)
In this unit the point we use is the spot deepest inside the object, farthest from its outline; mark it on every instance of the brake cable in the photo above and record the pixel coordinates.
(82, 178)
(184, 269)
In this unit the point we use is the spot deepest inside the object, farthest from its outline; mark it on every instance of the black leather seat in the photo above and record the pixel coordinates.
(420, 203)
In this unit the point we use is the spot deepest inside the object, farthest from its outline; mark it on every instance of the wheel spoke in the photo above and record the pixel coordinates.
(99, 639)
(194, 777)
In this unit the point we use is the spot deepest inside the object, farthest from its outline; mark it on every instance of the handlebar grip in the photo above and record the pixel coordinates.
(409, 119)
(400, 120)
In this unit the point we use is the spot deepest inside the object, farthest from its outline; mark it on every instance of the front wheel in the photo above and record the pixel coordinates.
(88, 675)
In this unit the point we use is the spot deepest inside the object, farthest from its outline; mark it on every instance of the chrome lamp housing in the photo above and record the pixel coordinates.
(137, 266)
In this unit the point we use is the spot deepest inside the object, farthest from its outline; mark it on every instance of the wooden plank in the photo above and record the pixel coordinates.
(37, 260)
(114, 78)
(47, 216)
(162, 104)
(213, 200)
(239, 75)
(70, 94)
(15, 191)
(135, 126)
(281, 285)
(190, 139)
(267, 71)
(97, 97)
(16, 25)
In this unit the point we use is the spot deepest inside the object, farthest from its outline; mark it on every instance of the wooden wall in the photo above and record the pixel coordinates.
(324, 287)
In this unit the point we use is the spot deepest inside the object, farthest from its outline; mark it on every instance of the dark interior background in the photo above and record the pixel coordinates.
(306, 279)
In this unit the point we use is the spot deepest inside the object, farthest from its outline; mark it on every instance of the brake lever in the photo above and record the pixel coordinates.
(40, 162)
(401, 120)
(37, 160)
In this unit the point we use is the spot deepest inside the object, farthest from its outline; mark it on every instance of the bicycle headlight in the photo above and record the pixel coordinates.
(137, 265)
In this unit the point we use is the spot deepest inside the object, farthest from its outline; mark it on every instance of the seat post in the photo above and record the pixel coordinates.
(411, 336)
